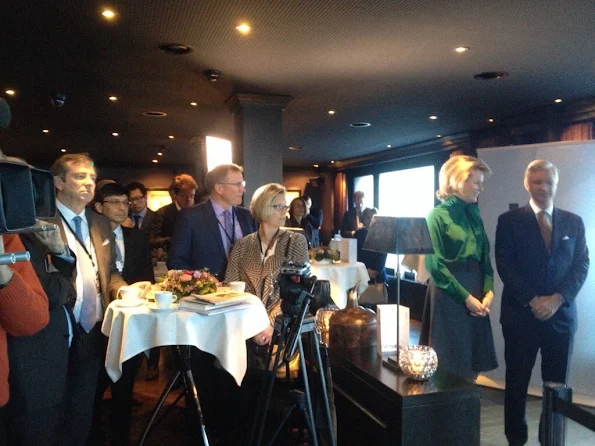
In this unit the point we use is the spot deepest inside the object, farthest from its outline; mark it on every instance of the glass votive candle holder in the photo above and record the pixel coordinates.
(419, 362)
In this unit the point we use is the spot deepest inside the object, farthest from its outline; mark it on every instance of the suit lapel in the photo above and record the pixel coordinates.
(101, 252)
(213, 224)
(557, 229)
(533, 227)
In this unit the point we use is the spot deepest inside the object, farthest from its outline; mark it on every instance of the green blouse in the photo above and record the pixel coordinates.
(457, 235)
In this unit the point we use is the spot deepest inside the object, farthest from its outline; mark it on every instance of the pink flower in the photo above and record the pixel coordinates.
(196, 274)
(185, 277)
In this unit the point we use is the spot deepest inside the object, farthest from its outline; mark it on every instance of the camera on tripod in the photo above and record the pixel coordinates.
(296, 278)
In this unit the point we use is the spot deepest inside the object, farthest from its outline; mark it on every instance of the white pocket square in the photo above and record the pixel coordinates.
(565, 238)
(105, 242)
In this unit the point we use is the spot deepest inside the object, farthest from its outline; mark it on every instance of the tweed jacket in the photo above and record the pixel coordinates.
(246, 264)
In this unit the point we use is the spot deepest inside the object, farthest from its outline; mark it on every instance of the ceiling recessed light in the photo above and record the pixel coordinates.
(175, 48)
(331, 112)
(171, 136)
(490, 75)
(433, 117)
(244, 28)
(194, 104)
(296, 148)
(155, 161)
(332, 162)
(113, 98)
(315, 165)
(438, 136)
(360, 125)
(11, 92)
(63, 150)
(491, 120)
(389, 146)
(108, 14)
(461, 49)
(154, 114)
(115, 134)
(557, 101)
(45, 131)
(159, 153)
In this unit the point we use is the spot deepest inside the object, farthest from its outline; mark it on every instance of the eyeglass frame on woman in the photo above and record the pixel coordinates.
(280, 207)
(238, 184)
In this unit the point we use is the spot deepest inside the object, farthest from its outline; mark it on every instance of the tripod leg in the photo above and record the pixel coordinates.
(286, 414)
(321, 372)
(190, 387)
(160, 402)
(310, 412)
(266, 392)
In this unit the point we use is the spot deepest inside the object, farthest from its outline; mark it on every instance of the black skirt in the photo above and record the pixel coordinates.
(464, 343)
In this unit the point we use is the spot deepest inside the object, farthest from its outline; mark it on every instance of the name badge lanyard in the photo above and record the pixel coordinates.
(232, 238)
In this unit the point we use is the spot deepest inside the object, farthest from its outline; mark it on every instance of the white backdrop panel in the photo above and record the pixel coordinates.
(576, 193)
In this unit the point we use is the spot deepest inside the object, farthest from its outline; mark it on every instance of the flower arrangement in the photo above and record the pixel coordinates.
(185, 282)
(323, 253)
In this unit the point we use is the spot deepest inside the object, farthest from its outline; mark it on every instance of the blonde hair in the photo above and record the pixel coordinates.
(262, 200)
(455, 172)
(537, 165)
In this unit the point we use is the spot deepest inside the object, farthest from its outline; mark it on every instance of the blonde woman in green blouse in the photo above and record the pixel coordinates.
(456, 319)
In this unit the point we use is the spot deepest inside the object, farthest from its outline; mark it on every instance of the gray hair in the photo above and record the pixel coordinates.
(538, 165)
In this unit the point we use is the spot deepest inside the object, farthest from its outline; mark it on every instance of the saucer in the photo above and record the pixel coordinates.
(153, 307)
(129, 302)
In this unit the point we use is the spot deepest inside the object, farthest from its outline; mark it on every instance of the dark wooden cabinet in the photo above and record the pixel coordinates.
(378, 406)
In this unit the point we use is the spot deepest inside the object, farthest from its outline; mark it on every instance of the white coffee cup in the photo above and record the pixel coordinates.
(163, 299)
(128, 293)
(238, 286)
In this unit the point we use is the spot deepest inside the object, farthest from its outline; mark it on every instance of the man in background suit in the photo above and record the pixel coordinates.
(182, 190)
(203, 238)
(133, 260)
(88, 235)
(142, 217)
(205, 233)
(543, 261)
(352, 220)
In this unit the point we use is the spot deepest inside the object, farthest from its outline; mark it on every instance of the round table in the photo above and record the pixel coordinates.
(342, 277)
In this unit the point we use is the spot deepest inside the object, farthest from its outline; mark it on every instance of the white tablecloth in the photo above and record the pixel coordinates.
(136, 329)
(342, 276)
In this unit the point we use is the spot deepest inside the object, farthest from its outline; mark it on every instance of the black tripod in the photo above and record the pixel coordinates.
(182, 353)
(288, 331)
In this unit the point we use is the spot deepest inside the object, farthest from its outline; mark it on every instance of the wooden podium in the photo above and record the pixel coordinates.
(378, 406)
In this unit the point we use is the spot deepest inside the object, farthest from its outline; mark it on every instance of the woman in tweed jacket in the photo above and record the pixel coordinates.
(257, 258)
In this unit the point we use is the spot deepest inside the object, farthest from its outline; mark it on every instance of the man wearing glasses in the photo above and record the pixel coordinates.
(142, 217)
(204, 234)
(203, 238)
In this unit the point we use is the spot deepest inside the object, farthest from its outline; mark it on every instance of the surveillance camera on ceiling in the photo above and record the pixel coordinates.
(58, 99)
(212, 75)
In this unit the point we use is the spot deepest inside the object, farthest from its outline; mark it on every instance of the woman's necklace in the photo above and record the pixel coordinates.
(265, 252)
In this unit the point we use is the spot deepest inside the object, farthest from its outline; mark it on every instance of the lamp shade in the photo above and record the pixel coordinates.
(399, 235)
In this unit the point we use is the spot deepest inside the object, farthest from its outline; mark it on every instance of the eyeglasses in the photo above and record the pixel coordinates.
(117, 202)
(280, 207)
(135, 199)
(238, 184)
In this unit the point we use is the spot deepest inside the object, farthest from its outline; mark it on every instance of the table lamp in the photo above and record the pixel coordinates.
(399, 235)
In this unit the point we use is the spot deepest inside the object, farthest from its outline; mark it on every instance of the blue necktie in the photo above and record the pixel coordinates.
(88, 315)
(136, 221)
(228, 219)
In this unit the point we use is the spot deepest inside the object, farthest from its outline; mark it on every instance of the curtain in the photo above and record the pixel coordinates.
(578, 132)
(340, 198)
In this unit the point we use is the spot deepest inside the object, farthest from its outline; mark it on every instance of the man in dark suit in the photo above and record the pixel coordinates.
(352, 219)
(133, 260)
(182, 190)
(205, 233)
(203, 238)
(141, 216)
(543, 260)
(96, 280)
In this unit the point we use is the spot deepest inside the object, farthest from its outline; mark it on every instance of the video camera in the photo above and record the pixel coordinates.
(296, 278)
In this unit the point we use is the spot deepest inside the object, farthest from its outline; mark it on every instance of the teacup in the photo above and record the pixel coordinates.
(128, 293)
(163, 299)
(238, 286)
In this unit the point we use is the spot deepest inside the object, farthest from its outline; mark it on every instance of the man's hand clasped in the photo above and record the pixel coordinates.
(544, 307)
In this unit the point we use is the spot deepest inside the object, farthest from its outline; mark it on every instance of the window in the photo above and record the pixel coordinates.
(366, 185)
(406, 193)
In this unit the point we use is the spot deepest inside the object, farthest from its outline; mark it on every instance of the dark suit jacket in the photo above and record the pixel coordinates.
(102, 238)
(163, 225)
(39, 363)
(527, 270)
(197, 241)
(138, 264)
(147, 222)
(349, 224)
